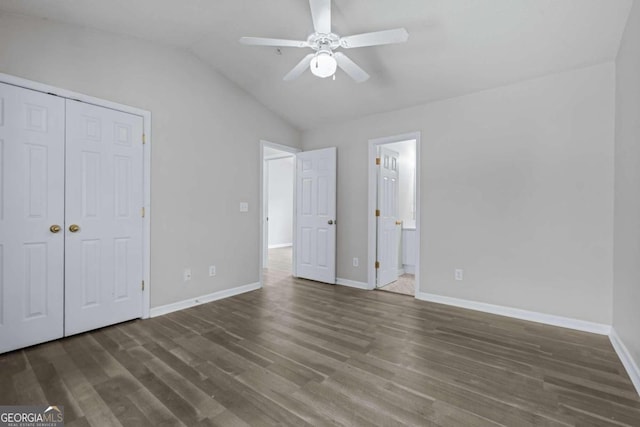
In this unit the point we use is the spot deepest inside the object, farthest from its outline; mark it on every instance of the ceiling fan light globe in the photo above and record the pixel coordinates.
(323, 65)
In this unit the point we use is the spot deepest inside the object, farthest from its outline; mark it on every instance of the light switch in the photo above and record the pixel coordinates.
(244, 207)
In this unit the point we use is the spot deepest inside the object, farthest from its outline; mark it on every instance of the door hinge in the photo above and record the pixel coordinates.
(144, 139)
(143, 212)
(377, 212)
(378, 161)
(377, 264)
(143, 285)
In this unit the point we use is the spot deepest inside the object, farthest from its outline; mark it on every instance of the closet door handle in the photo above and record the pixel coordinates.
(74, 228)
(55, 228)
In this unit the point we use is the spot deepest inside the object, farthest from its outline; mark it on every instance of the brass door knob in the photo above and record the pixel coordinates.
(55, 228)
(398, 222)
(74, 228)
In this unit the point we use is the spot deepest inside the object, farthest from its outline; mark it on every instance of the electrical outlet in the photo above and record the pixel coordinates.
(459, 274)
(244, 207)
(356, 262)
(212, 270)
(187, 274)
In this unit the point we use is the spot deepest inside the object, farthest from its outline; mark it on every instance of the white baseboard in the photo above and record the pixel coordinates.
(400, 272)
(533, 316)
(352, 284)
(409, 269)
(281, 245)
(192, 302)
(625, 356)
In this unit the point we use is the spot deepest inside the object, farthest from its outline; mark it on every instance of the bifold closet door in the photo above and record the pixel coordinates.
(31, 217)
(104, 200)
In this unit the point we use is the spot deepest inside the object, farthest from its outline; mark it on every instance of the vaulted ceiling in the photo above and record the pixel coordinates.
(455, 46)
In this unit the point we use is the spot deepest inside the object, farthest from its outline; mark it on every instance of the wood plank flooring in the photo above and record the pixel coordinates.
(301, 353)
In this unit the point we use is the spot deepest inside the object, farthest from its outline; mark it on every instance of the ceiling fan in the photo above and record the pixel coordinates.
(324, 62)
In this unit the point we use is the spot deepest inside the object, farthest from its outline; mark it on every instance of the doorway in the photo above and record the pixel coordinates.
(278, 174)
(394, 228)
(309, 252)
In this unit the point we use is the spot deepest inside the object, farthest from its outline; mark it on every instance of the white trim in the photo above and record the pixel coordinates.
(264, 212)
(41, 87)
(353, 284)
(281, 245)
(278, 157)
(192, 302)
(533, 316)
(401, 272)
(625, 357)
(146, 237)
(371, 219)
(409, 269)
(146, 116)
(262, 219)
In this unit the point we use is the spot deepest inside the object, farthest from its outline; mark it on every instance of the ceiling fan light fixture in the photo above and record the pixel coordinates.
(323, 64)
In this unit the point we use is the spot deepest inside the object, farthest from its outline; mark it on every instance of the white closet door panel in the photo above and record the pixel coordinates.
(103, 263)
(31, 201)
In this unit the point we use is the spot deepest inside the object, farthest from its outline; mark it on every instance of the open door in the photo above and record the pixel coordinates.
(315, 242)
(387, 215)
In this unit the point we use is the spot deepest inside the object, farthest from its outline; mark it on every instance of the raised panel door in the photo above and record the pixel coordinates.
(31, 202)
(388, 227)
(104, 199)
(316, 215)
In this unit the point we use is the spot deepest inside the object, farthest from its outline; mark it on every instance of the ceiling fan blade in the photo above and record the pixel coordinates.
(350, 67)
(321, 14)
(299, 69)
(262, 41)
(398, 35)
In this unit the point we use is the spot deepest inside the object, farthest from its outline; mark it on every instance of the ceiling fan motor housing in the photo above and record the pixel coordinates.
(317, 41)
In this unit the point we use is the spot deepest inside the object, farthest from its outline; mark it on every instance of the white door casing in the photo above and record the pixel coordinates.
(265, 214)
(31, 201)
(104, 198)
(388, 226)
(315, 241)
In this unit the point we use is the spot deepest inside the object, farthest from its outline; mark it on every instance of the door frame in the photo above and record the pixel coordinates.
(372, 236)
(146, 150)
(263, 202)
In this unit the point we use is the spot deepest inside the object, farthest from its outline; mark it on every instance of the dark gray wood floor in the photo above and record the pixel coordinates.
(302, 353)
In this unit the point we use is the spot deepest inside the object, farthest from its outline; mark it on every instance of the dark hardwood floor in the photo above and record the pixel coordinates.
(302, 353)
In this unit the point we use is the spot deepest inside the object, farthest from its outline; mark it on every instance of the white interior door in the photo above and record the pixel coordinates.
(315, 242)
(104, 199)
(388, 224)
(31, 203)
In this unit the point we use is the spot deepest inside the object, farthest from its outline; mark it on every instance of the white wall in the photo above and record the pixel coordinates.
(626, 290)
(517, 189)
(280, 191)
(205, 144)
